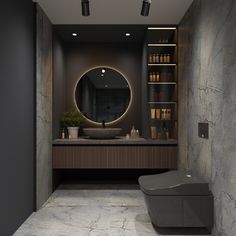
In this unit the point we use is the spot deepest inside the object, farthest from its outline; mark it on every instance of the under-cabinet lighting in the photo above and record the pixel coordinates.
(161, 64)
(161, 82)
(161, 28)
(161, 45)
(162, 102)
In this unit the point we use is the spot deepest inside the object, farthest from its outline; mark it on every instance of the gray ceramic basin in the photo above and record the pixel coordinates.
(102, 133)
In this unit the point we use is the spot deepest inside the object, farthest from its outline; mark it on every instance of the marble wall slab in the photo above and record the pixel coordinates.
(44, 109)
(207, 36)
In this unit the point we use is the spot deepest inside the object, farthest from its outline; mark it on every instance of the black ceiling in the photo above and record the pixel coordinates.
(101, 33)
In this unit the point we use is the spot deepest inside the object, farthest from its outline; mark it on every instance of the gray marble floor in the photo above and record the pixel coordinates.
(91, 212)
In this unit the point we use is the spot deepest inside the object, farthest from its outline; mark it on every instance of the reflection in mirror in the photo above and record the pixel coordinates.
(102, 94)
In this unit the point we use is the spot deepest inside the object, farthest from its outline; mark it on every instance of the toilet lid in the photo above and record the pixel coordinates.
(174, 183)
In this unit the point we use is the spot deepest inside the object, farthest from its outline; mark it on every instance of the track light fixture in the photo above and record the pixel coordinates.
(145, 7)
(85, 7)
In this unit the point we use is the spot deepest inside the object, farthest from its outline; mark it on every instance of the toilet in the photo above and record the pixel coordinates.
(178, 199)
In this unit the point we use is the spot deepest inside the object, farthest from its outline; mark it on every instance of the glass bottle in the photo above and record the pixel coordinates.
(153, 58)
(164, 58)
(161, 58)
(168, 58)
(150, 59)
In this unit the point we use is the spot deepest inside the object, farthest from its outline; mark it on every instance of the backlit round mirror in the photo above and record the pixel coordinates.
(103, 94)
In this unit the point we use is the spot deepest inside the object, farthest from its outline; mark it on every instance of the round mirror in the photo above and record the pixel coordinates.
(103, 94)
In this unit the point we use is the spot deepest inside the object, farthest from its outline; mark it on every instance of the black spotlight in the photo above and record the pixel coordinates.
(145, 7)
(85, 7)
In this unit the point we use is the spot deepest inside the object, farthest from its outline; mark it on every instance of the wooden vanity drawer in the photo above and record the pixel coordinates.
(115, 157)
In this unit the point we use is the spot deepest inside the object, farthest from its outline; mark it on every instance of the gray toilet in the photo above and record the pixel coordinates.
(178, 199)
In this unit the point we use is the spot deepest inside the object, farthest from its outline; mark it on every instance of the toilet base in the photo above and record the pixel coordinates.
(180, 211)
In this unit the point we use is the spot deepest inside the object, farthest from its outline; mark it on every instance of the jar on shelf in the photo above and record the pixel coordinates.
(157, 76)
(153, 58)
(151, 77)
(150, 59)
(161, 59)
(164, 58)
(168, 58)
(157, 58)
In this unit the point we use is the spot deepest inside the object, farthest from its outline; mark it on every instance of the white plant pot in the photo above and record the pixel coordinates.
(73, 132)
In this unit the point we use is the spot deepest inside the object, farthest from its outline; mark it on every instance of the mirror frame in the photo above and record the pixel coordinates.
(127, 109)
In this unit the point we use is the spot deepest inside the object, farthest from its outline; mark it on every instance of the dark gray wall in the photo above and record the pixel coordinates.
(207, 36)
(126, 58)
(58, 84)
(17, 113)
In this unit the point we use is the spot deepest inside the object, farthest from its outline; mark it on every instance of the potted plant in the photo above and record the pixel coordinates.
(71, 121)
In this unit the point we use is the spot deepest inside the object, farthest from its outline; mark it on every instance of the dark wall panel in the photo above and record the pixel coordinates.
(58, 84)
(126, 58)
(16, 114)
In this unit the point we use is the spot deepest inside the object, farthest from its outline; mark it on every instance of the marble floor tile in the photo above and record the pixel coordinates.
(91, 212)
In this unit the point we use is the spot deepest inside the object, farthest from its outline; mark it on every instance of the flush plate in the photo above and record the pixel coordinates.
(203, 130)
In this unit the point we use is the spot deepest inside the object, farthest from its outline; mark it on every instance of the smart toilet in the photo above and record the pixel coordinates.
(178, 199)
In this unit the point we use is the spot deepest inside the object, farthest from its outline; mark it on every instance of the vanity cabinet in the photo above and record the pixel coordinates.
(143, 155)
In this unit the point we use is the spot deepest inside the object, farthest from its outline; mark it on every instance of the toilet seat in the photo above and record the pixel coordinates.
(174, 183)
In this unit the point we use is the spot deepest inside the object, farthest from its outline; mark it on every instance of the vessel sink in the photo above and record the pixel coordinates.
(102, 133)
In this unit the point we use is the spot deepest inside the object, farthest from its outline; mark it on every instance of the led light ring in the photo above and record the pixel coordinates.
(111, 122)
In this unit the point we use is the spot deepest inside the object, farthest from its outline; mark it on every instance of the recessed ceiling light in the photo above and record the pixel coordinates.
(106, 86)
(74, 34)
(103, 71)
(127, 34)
(102, 75)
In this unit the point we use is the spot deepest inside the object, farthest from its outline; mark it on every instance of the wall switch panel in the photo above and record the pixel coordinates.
(203, 130)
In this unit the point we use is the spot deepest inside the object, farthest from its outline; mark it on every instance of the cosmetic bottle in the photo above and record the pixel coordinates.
(63, 136)
(132, 132)
(161, 59)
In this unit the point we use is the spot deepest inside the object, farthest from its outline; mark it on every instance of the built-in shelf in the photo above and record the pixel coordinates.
(162, 28)
(160, 83)
(162, 79)
(162, 102)
(163, 64)
(162, 45)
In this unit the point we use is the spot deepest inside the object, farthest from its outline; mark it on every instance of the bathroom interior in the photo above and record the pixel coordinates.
(121, 117)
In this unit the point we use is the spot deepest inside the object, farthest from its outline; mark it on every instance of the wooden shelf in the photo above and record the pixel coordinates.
(162, 102)
(172, 120)
(162, 45)
(163, 64)
(164, 83)
(162, 28)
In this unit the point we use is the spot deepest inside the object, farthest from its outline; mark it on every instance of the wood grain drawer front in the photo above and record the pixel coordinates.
(146, 157)
(79, 157)
(142, 157)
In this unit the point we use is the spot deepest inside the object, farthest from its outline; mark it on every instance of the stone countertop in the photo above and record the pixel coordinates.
(116, 141)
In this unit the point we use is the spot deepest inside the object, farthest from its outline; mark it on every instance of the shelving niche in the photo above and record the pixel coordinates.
(162, 80)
